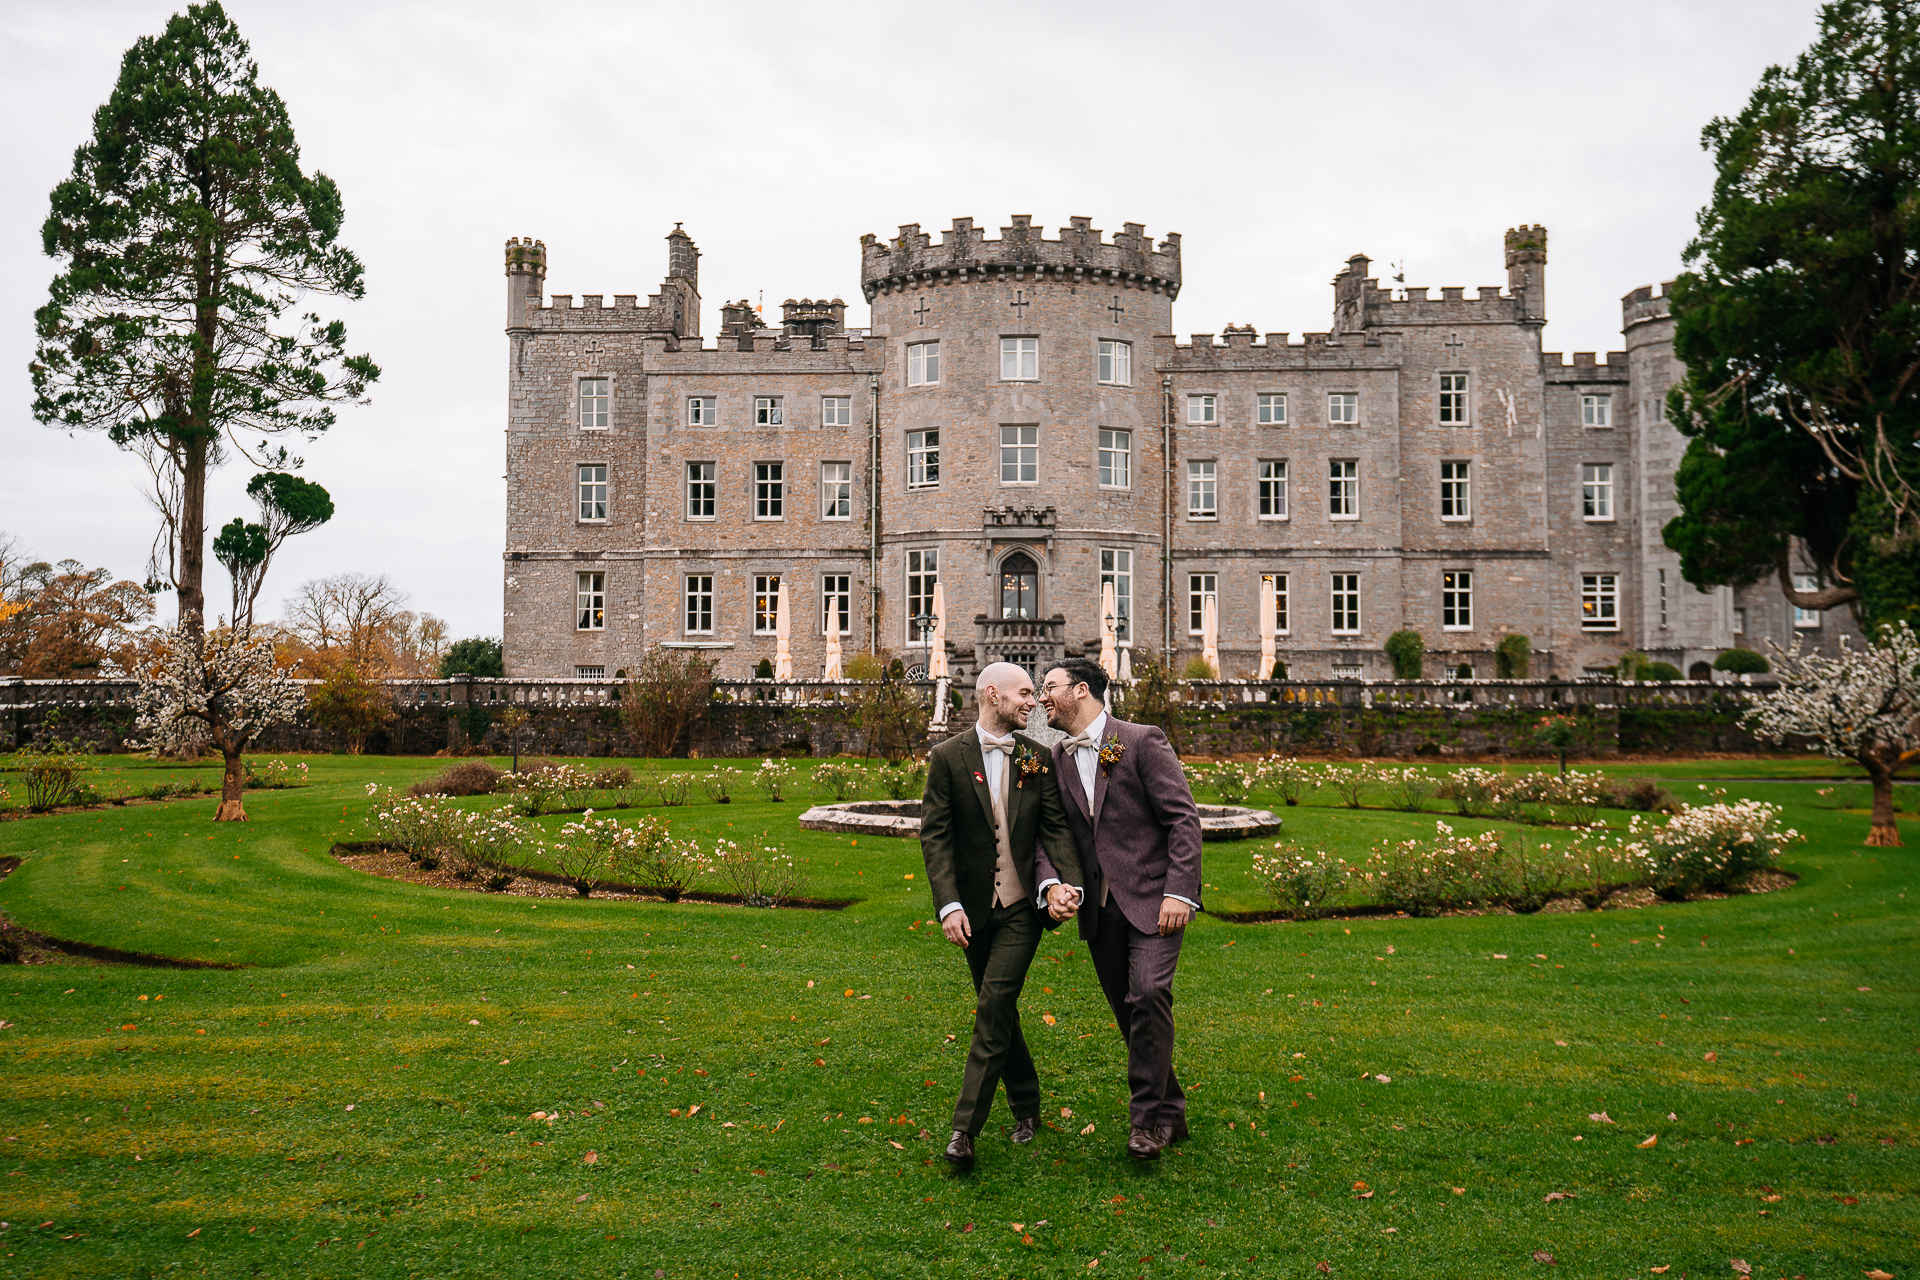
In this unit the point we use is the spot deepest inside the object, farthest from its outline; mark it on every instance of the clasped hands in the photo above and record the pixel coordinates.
(1062, 902)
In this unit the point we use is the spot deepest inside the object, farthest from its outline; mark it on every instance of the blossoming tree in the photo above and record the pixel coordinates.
(1863, 705)
(221, 691)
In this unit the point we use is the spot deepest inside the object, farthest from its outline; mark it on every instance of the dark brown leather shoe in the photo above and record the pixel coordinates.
(1023, 1129)
(959, 1152)
(1177, 1132)
(1145, 1144)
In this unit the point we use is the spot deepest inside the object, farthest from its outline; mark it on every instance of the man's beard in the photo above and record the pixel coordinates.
(1053, 716)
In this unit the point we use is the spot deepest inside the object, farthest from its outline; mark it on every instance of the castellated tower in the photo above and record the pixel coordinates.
(1021, 443)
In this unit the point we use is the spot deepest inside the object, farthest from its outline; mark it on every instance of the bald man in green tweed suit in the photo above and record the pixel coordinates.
(991, 800)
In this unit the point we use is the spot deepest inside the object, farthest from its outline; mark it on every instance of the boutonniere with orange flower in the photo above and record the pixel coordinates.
(1027, 761)
(1110, 753)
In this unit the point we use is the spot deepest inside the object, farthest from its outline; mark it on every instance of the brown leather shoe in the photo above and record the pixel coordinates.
(959, 1152)
(1023, 1129)
(1177, 1132)
(1145, 1144)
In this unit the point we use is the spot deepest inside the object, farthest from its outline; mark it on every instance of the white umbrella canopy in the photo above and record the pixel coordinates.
(937, 657)
(833, 670)
(782, 635)
(1109, 623)
(1267, 655)
(1210, 634)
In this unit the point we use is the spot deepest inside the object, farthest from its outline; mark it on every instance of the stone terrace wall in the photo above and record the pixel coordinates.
(1414, 718)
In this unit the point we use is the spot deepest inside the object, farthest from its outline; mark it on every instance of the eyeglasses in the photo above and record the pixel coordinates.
(1054, 690)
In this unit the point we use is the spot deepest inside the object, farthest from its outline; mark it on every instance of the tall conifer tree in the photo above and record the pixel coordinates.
(187, 235)
(1799, 322)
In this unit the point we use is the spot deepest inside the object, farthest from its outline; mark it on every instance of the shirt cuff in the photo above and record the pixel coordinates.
(1177, 898)
(950, 907)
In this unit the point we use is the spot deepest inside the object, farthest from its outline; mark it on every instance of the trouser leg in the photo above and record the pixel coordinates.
(1136, 973)
(999, 956)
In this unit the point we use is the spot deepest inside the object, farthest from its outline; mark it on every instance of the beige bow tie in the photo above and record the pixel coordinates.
(1078, 741)
(990, 743)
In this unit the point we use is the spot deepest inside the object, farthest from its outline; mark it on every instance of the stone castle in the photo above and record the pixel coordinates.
(1019, 424)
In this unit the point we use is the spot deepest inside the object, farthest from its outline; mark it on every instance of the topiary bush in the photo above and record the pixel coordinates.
(1512, 657)
(1742, 662)
(1406, 649)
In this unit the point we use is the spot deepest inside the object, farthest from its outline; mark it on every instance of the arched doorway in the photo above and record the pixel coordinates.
(1019, 587)
(1699, 671)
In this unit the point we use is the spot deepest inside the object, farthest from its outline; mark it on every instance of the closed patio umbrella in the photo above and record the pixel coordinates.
(1267, 654)
(1109, 624)
(1210, 635)
(782, 635)
(937, 656)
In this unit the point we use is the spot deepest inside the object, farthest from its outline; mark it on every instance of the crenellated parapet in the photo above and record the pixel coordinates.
(1082, 254)
(1645, 305)
(1584, 367)
(1239, 348)
(675, 309)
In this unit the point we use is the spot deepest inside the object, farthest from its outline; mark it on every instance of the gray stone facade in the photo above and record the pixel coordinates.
(1020, 423)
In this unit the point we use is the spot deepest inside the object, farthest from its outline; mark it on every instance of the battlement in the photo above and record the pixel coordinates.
(1082, 253)
(1239, 348)
(758, 343)
(1359, 303)
(1645, 304)
(1584, 367)
(527, 257)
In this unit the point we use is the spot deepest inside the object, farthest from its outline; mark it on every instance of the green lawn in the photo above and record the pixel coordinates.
(358, 1100)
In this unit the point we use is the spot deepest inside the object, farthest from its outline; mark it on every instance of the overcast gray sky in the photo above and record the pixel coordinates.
(1278, 138)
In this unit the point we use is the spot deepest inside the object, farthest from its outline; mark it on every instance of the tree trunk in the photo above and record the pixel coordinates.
(1885, 830)
(193, 536)
(233, 787)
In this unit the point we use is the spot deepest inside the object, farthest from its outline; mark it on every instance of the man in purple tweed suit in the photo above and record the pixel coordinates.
(1138, 833)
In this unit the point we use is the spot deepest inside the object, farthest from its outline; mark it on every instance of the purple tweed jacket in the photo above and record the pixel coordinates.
(1140, 839)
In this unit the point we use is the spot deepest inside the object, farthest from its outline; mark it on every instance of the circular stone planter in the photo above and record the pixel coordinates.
(901, 820)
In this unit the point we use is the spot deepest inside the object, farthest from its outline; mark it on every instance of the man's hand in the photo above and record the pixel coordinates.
(957, 927)
(1174, 915)
(1062, 901)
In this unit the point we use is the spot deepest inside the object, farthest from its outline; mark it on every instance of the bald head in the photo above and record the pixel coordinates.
(1006, 697)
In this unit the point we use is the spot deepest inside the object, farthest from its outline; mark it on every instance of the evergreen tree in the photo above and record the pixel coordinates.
(188, 234)
(1799, 322)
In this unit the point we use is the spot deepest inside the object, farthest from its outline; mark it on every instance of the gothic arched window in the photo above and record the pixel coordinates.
(1019, 586)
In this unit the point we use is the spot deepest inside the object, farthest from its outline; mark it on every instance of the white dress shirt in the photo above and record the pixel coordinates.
(995, 760)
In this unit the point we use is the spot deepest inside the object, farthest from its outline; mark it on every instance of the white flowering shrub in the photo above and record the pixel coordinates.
(415, 825)
(583, 851)
(478, 842)
(1304, 885)
(721, 783)
(646, 855)
(673, 786)
(764, 875)
(839, 779)
(1708, 846)
(906, 780)
(545, 789)
(1351, 780)
(1233, 781)
(1411, 788)
(774, 777)
(1473, 791)
(1424, 877)
(275, 775)
(1293, 780)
